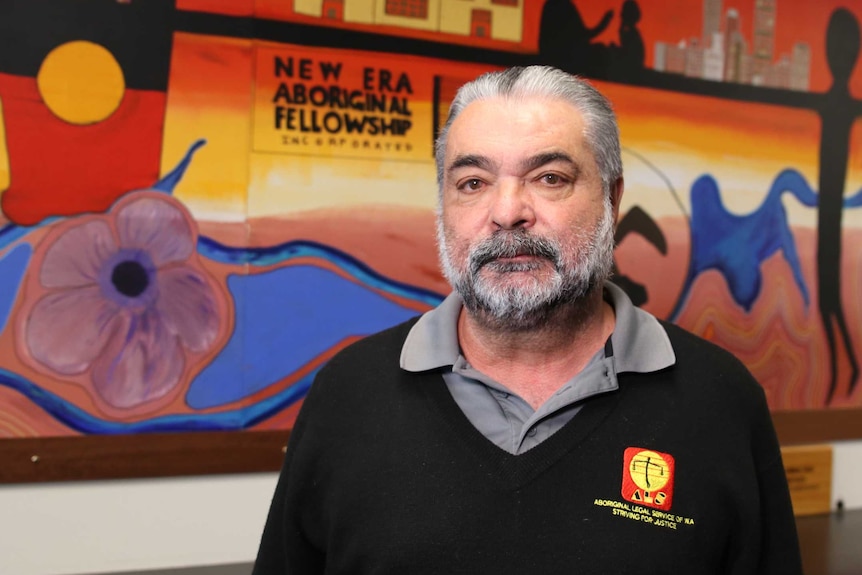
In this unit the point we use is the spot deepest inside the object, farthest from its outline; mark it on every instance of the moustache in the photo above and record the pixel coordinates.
(504, 244)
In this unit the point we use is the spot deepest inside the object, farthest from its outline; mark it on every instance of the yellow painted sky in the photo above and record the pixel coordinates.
(744, 146)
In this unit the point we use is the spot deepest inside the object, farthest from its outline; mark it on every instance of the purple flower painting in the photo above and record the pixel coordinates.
(120, 302)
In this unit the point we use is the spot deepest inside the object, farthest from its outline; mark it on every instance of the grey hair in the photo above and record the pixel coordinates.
(600, 123)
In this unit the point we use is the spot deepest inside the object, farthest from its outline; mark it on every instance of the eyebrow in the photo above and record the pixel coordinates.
(540, 160)
(471, 160)
(528, 165)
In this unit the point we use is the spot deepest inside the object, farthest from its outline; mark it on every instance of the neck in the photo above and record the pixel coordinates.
(534, 363)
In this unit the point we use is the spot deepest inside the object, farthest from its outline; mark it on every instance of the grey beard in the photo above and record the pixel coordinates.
(578, 270)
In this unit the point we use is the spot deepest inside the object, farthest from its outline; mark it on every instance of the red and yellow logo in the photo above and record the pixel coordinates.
(648, 478)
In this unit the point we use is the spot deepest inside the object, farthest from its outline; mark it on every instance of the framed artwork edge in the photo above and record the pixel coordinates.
(102, 457)
(93, 457)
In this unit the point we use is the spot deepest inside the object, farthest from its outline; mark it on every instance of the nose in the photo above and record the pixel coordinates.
(512, 206)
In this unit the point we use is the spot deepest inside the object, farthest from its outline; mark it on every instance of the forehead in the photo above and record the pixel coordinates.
(517, 126)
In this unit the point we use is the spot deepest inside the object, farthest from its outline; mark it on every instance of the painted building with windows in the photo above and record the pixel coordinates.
(494, 19)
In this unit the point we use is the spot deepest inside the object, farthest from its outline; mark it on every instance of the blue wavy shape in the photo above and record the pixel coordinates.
(11, 233)
(790, 180)
(854, 201)
(170, 180)
(81, 421)
(280, 254)
(735, 245)
(286, 318)
(13, 266)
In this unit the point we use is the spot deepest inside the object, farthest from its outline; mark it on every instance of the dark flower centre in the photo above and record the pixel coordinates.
(130, 278)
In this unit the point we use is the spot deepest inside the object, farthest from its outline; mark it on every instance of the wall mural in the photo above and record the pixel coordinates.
(202, 200)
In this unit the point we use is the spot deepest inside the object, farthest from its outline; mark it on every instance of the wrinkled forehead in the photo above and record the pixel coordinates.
(516, 120)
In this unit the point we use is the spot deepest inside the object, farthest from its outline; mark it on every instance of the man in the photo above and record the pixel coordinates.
(536, 421)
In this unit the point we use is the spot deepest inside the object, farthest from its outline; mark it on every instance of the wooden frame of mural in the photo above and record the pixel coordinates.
(177, 454)
(179, 253)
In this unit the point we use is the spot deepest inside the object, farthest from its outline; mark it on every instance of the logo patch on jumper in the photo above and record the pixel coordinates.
(648, 478)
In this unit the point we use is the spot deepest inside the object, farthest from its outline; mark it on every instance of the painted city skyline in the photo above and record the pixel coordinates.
(722, 52)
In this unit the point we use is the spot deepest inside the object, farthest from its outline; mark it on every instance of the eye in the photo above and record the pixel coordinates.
(471, 185)
(552, 179)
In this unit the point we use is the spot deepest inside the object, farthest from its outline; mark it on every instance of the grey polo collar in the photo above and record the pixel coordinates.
(639, 341)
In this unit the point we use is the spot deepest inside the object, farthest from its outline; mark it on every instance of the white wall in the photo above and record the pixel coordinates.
(110, 526)
(847, 474)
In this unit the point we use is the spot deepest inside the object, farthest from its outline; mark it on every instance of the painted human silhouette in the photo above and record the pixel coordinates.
(842, 51)
(565, 41)
(631, 52)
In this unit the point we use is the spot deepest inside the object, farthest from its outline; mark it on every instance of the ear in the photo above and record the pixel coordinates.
(617, 197)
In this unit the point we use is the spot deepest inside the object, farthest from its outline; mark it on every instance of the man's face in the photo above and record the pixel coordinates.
(524, 225)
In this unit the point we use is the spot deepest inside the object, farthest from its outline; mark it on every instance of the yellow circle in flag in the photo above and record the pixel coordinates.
(81, 82)
(649, 470)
